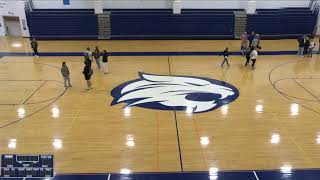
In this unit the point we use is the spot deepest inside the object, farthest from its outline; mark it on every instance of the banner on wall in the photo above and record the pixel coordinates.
(66, 2)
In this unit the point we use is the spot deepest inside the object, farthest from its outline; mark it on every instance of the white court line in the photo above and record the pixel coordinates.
(255, 174)
(109, 176)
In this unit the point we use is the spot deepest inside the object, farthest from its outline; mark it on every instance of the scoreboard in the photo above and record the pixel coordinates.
(20, 166)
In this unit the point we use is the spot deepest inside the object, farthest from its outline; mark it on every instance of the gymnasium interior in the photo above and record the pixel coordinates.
(158, 101)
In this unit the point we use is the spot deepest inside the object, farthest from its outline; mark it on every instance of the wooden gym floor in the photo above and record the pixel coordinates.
(274, 122)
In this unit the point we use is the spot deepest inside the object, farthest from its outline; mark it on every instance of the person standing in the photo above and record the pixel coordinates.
(311, 47)
(248, 52)
(225, 54)
(244, 43)
(88, 57)
(251, 37)
(255, 42)
(87, 72)
(97, 55)
(66, 75)
(306, 46)
(254, 56)
(301, 46)
(34, 46)
(105, 62)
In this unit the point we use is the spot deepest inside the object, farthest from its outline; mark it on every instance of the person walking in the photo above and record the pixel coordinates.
(306, 46)
(254, 56)
(248, 52)
(105, 65)
(311, 47)
(225, 54)
(244, 43)
(65, 74)
(251, 37)
(97, 55)
(87, 72)
(88, 57)
(301, 46)
(34, 46)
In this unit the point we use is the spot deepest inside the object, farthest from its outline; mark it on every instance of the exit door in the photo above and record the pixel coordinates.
(13, 27)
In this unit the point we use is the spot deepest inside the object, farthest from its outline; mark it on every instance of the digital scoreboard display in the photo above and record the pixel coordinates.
(32, 166)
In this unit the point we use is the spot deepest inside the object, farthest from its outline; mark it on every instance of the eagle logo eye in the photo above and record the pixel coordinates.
(164, 92)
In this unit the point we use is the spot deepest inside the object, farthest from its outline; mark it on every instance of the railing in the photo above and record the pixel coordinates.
(29, 6)
(311, 3)
(314, 5)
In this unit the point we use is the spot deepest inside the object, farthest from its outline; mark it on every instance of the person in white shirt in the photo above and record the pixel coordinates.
(253, 57)
(88, 57)
(311, 47)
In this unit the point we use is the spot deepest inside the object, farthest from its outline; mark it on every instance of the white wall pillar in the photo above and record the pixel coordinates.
(318, 26)
(98, 7)
(177, 5)
(252, 6)
(2, 27)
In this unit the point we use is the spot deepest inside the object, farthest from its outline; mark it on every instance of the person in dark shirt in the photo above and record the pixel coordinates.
(105, 62)
(248, 52)
(306, 46)
(87, 72)
(96, 55)
(251, 37)
(301, 46)
(225, 54)
(34, 46)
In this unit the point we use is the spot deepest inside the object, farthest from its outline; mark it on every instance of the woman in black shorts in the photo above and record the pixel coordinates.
(87, 72)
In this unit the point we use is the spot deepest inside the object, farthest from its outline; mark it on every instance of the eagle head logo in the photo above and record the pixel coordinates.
(163, 92)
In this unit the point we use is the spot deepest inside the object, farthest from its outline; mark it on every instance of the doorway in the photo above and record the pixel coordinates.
(13, 27)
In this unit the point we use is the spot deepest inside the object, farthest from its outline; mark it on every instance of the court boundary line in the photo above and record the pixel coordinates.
(306, 90)
(294, 97)
(141, 53)
(41, 109)
(284, 95)
(179, 172)
(24, 102)
(177, 126)
(31, 103)
(255, 174)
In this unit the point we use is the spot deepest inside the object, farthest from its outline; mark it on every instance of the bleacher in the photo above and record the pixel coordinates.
(163, 24)
(282, 23)
(63, 24)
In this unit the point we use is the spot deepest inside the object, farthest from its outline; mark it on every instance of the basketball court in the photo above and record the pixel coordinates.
(272, 124)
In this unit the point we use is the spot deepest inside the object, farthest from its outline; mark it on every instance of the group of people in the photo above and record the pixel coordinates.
(306, 46)
(88, 58)
(87, 70)
(249, 48)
